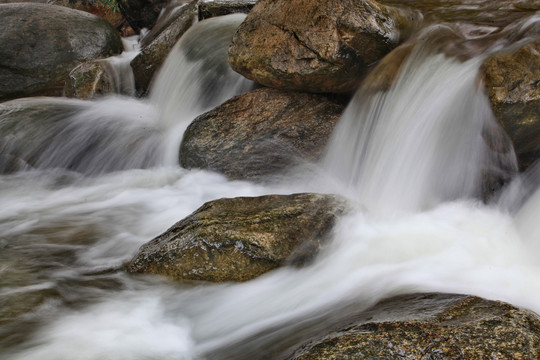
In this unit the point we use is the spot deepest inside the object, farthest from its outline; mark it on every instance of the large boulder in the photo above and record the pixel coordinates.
(241, 238)
(260, 133)
(314, 45)
(513, 85)
(157, 44)
(212, 8)
(41, 44)
(432, 326)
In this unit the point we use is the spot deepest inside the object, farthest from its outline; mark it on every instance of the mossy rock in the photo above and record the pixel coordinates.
(241, 238)
(41, 44)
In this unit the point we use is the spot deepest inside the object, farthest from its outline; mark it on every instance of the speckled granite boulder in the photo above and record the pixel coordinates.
(241, 238)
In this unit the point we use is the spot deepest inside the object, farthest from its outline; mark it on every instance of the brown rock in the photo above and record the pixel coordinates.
(212, 8)
(316, 46)
(513, 85)
(260, 133)
(433, 326)
(239, 239)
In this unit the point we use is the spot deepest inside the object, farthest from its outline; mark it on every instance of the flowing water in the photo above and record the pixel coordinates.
(99, 181)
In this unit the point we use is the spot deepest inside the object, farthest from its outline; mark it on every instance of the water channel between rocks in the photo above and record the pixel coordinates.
(105, 181)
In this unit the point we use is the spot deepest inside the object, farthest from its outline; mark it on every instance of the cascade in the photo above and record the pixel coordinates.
(413, 158)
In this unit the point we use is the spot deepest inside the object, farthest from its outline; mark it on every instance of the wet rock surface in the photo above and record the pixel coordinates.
(432, 326)
(90, 80)
(213, 8)
(157, 44)
(513, 85)
(316, 46)
(239, 239)
(43, 43)
(260, 133)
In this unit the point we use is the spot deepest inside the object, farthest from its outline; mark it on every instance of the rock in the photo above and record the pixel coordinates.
(432, 326)
(513, 85)
(90, 80)
(159, 42)
(41, 44)
(314, 45)
(141, 14)
(241, 238)
(260, 133)
(95, 7)
(213, 8)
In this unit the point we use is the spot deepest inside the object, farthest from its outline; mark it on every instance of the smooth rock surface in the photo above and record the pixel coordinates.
(260, 133)
(316, 46)
(241, 238)
(41, 44)
(432, 326)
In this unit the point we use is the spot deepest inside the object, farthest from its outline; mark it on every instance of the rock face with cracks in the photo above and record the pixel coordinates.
(314, 45)
(241, 238)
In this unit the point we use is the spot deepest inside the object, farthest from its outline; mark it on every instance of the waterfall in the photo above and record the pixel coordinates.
(419, 143)
(414, 158)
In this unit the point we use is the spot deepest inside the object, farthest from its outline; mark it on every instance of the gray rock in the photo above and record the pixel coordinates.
(41, 44)
(260, 133)
(314, 45)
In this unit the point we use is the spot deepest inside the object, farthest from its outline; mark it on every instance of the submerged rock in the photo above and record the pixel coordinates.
(41, 44)
(241, 238)
(432, 326)
(513, 85)
(260, 133)
(316, 46)
(159, 42)
(213, 8)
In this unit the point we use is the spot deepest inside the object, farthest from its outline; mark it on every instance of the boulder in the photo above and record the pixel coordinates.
(98, 8)
(513, 85)
(41, 44)
(432, 326)
(157, 44)
(213, 8)
(260, 133)
(241, 238)
(90, 80)
(317, 46)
